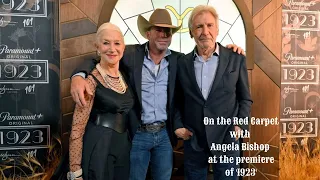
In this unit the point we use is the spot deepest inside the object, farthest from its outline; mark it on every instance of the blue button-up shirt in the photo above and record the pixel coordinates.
(206, 71)
(154, 85)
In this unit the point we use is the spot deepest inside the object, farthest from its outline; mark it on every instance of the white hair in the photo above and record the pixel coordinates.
(107, 26)
(200, 9)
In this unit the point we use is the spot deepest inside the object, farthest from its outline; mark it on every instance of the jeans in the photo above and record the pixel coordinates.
(153, 147)
(196, 165)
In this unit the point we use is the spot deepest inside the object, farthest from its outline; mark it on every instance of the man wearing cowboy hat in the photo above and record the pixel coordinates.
(151, 68)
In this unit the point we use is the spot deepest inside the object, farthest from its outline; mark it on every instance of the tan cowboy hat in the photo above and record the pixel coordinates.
(160, 18)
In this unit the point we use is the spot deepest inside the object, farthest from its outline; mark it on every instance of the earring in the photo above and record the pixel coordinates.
(98, 53)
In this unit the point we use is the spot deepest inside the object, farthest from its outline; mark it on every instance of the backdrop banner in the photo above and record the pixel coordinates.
(29, 88)
(300, 98)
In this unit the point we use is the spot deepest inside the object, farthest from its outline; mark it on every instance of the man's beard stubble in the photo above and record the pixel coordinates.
(162, 47)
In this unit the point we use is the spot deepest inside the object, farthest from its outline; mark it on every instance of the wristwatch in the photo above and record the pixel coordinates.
(73, 175)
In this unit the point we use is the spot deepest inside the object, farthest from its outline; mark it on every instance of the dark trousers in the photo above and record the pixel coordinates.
(106, 154)
(196, 165)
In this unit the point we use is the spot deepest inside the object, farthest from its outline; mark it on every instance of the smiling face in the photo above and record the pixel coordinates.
(110, 45)
(159, 38)
(205, 30)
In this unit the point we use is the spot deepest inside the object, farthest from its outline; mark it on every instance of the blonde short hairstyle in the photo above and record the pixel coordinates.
(200, 9)
(107, 26)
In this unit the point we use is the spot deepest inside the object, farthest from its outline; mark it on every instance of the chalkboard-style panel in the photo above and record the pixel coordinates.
(29, 86)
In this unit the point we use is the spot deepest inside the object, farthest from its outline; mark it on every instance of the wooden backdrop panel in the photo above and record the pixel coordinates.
(269, 31)
(266, 82)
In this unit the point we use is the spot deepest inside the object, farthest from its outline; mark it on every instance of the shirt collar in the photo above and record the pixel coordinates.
(215, 53)
(168, 52)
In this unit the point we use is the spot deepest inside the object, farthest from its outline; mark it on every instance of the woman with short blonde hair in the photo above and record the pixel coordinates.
(99, 144)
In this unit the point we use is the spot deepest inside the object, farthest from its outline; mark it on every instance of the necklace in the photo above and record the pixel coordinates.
(115, 83)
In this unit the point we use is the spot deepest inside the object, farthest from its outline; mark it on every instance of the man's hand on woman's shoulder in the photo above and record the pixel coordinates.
(80, 88)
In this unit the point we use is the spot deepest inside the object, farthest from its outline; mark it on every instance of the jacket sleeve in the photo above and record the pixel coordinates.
(178, 101)
(243, 93)
(86, 67)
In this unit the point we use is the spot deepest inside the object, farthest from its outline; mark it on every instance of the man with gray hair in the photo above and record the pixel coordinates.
(214, 84)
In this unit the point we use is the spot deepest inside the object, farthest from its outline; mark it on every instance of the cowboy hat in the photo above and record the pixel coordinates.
(160, 18)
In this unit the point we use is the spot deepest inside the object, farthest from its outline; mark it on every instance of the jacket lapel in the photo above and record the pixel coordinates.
(172, 59)
(223, 63)
(138, 62)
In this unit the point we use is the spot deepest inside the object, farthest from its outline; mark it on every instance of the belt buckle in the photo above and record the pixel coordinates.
(152, 128)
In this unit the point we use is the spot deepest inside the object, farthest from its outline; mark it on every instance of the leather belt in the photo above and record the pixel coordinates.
(116, 122)
(153, 127)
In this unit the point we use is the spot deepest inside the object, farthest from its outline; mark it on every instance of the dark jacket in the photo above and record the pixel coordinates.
(229, 97)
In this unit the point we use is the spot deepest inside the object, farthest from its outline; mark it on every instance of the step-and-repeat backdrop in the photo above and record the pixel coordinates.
(300, 105)
(29, 87)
